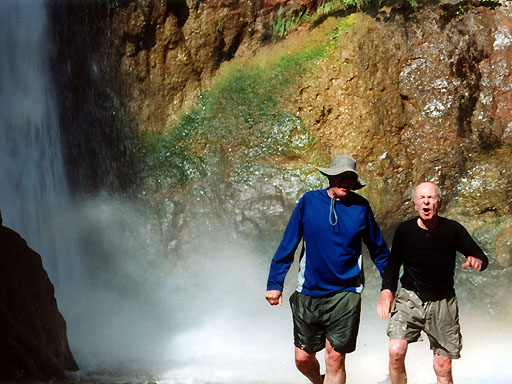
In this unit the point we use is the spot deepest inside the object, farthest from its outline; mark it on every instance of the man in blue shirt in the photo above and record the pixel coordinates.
(326, 305)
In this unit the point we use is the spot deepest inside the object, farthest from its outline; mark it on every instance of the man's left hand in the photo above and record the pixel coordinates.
(472, 262)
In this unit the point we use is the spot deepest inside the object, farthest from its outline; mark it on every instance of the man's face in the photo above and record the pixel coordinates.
(427, 201)
(342, 184)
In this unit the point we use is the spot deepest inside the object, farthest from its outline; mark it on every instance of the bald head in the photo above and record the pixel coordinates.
(426, 184)
(427, 202)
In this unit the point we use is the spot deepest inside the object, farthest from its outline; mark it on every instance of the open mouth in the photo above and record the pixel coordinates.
(426, 210)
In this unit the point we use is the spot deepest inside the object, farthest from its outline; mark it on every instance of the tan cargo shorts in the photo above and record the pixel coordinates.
(438, 319)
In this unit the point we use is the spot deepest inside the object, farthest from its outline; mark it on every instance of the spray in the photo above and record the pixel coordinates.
(133, 313)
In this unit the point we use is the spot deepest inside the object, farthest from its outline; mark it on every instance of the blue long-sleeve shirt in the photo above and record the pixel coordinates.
(331, 259)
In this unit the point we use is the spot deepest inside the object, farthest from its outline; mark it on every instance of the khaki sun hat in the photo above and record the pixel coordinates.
(340, 164)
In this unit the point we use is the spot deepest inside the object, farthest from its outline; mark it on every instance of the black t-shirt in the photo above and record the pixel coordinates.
(428, 257)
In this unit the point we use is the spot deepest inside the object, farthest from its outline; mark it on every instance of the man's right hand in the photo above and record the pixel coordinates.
(274, 297)
(385, 302)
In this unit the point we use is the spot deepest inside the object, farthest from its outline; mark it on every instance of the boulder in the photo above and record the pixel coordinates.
(33, 339)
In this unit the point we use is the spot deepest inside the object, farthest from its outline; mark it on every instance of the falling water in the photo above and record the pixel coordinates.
(33, 183)
(129, 315)
(82, 242)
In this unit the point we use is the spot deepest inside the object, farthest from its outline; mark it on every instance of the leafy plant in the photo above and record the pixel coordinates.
(463, 7)
(284, 22)
(329, 8)
(220, 24)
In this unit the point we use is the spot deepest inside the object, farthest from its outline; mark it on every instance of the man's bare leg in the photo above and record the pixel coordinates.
(308, 365)
(397, 352)
(443, 369)
(334, 366)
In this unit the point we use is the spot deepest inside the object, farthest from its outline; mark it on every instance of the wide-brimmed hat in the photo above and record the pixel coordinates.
(340, 164)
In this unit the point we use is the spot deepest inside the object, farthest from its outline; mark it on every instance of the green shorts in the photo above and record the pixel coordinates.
(438, 319)
(335, 318)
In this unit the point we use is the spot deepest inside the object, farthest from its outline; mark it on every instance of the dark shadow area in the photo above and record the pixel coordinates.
(97, 137)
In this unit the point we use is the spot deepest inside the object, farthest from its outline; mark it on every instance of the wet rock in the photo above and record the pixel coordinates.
(504, 248)
(172, 50)
(33, 340)
(419, 94)
(413, 93)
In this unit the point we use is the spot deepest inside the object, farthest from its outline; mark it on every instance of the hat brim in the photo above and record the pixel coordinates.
(338, 170)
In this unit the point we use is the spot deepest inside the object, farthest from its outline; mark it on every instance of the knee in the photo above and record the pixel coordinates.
(302, 358)
(333, 358)
(443, 366)
(397, 350)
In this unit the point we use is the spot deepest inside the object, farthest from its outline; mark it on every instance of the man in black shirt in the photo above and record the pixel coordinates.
(426, 246)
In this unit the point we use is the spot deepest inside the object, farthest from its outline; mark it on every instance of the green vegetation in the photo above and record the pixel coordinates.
(346, 24)
(327, 8)
(238, 128)
(220, 24)
(241, 129)
(463, 7)
(167, 158)
(286, 21)
(467, 5)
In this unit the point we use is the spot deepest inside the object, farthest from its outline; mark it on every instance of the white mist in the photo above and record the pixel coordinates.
(132, 315)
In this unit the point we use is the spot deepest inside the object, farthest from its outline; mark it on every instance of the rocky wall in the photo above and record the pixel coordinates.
(413, 93)
(420, 95)
(171, 49)
(33, 339)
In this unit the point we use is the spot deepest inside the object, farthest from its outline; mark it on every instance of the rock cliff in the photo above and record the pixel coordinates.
(412, 92)
(170, 50)
(418, 96)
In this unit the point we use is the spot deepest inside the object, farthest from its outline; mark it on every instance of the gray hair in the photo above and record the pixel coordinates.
(438, 190)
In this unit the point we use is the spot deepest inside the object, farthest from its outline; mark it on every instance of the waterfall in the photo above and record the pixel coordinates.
(33, 180)
(95, 249)
(124, 310)
(130, 315)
